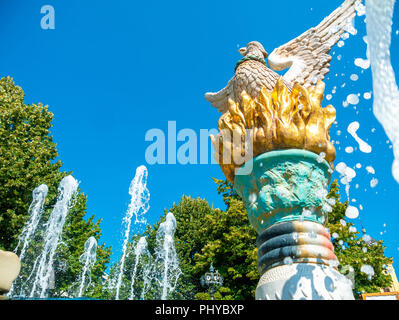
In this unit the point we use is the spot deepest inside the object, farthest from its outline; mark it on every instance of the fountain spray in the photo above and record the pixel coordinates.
(67, 189)
(138, 207)
(166, 256)
(35, 213)
(141, 249)
(88, 258)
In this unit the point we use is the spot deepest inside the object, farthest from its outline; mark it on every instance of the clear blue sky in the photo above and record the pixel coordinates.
(111, 70)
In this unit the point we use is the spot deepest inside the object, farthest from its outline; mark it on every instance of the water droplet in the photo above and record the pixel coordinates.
(288, 261)
(373, 182)
(353, 99)
(367, 95)
(352, 212)
(335, 235)
(367, 269)
(349, 150)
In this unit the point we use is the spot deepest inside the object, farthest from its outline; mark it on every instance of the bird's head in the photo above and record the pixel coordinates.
(255, 49)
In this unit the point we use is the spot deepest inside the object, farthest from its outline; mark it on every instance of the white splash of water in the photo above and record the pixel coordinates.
(363, 146)
(138, 207)
(141, 248)
(321, 157)
(362, 63)
(370, 169)
(360, 8)
(349, 150)
(367, 95)
(369, 270)
(35, 213)
(67, 189)
(353, 99)
(347, 174)
(288, 261)
(352, 212)
(366, 238)
(88, 258)
(373, 183)
(166, 256)
(379, 15)
(147, 276)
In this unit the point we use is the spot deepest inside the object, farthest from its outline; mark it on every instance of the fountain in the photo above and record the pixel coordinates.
(293, 157)
(43, 266)
(166, 256)
(88, 259)
(138, 207)
(35, 213)
(147, 272)
(386, 93)
(139, 251)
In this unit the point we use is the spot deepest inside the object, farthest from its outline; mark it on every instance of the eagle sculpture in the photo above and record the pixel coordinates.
(307, 58)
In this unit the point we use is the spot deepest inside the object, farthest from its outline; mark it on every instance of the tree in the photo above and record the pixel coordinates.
(206, 235)
(230, 246)
(28, 158)
(355, 250)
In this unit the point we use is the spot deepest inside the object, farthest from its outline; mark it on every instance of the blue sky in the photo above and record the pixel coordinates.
(112, 70)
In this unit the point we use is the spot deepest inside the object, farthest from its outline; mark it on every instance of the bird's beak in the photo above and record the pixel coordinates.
(242, 51)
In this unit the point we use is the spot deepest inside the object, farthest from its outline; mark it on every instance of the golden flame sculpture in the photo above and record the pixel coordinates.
(276, 120)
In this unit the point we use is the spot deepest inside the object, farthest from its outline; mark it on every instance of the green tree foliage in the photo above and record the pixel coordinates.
(206, 235)
(226, 190)
(354, 249)
(230, 247)
(28, 158)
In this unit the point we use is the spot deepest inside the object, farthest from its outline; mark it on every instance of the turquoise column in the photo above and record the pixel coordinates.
(286, 185)
(285, 193)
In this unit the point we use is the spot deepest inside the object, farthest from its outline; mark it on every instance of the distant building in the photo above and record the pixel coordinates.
(395, 284)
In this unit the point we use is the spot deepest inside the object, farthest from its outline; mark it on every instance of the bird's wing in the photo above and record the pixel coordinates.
(220, 100)
(307, 56)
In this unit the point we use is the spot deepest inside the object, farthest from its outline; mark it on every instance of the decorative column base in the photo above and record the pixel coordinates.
(295, 260)
(303, 281)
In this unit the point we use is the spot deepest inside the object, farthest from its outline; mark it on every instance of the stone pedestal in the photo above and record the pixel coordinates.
(285, 193)
(9, 270)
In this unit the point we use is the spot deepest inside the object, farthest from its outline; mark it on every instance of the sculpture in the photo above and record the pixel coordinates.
(281, 158)
(307, 56)
(276, 120)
